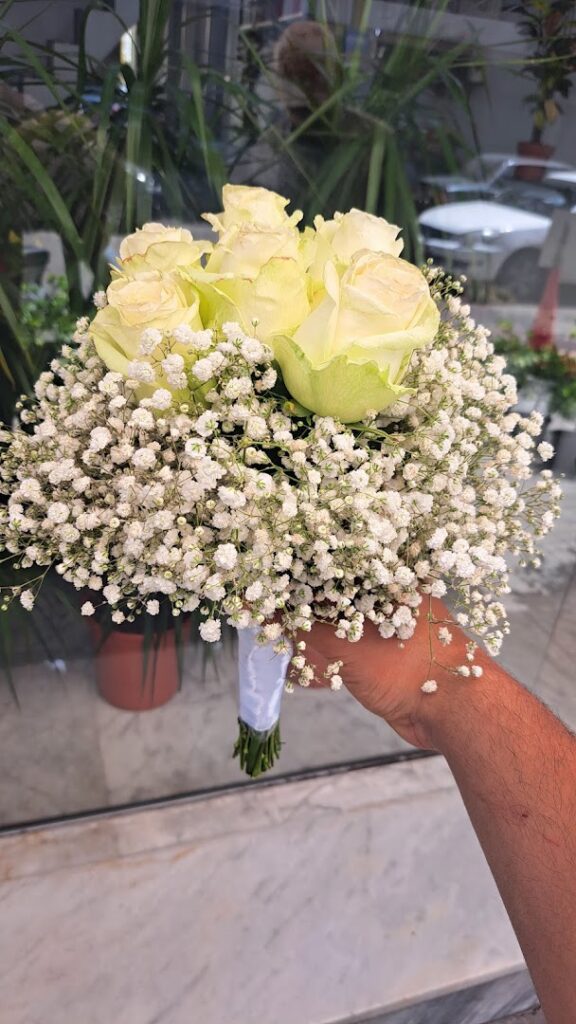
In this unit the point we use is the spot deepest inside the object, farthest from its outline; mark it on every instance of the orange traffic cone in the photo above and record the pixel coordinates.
(542, 333)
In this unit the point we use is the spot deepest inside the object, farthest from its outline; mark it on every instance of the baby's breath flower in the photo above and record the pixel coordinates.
(438, 538)
(225, 556)
(183, 334)
(144, 458)
(149, 341)
(272, 631)
(174, 363)
(253, 351)
(210, 630)
(256, 427)
(161, 399)
(545, 451)
(100, 437)
(58, 512)
(142, 418)
(141, 371)
(27, 600)
(205, 368)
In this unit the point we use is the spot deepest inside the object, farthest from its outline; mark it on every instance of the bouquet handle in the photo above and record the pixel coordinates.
(261, 679)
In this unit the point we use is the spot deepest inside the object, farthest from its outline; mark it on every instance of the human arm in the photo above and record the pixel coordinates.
(515, 766)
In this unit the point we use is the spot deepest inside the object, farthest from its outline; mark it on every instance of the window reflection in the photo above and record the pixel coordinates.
(334, 104)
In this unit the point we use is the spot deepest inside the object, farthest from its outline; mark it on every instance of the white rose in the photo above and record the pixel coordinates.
(351, 353)
(255, 275)
(156, 247)
(339, 240)
(259, 207)
(153, 299)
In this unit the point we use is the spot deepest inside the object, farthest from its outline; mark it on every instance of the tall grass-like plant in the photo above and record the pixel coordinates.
(89, 172)
(15, 363)
(362, 143)
(147, 147)
(145, 143)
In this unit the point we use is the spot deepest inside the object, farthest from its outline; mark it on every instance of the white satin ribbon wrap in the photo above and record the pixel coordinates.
(261, 678)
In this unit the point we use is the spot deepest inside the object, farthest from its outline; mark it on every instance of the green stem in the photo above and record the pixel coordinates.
(257, 751)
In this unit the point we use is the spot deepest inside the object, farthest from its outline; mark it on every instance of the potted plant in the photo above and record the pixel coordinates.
(546, 377)
(550, 25)
(138, 664)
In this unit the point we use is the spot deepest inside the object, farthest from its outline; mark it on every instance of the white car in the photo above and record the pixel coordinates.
(498, 242)
(484, 174)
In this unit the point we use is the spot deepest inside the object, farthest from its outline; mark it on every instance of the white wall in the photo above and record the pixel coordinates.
(46, 23)
(42, 22)
(500, 114)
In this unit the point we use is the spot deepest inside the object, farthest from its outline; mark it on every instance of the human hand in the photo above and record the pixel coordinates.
(385, 676)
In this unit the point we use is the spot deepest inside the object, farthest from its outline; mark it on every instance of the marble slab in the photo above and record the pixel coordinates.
(308, 902)
(477, 1004)
(50, 755)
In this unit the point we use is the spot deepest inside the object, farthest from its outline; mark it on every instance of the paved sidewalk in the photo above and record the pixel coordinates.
(522, 317)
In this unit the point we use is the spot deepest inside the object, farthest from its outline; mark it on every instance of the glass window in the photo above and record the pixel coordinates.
(484, 167)
(437, 120)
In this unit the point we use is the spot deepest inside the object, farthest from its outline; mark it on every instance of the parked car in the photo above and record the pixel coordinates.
(482, 175)
(499, 242)
(562, 179)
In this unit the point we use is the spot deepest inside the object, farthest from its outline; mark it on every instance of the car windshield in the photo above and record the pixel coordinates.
(534, 198)
(479, 168)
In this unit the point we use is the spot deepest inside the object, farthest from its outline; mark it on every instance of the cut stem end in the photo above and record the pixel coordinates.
(257, 751)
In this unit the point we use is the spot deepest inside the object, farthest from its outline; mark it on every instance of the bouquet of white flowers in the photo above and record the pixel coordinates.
(281, 428)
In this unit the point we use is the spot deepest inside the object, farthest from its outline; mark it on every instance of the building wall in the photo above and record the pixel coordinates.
(56, 25)
(500, 115)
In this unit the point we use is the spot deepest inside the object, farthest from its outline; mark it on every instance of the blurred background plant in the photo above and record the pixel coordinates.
(555, 368)
(550, 26)
(151, 132)
(364, 121)
(47, 320)
(122, 142)
(331, 112)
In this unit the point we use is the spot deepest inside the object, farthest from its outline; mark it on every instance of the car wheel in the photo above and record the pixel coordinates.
(521, 278)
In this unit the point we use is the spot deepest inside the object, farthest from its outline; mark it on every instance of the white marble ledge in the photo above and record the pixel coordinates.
(44, 849)
(305, 903)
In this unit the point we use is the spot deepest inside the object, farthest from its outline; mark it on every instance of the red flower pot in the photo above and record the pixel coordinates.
(129, 679)
(536, 150)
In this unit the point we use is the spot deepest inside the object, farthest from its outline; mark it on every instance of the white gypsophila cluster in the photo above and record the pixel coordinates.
(233, 504)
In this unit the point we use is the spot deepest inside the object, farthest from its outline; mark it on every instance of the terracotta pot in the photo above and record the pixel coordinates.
(120, 675)
(538, 151)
